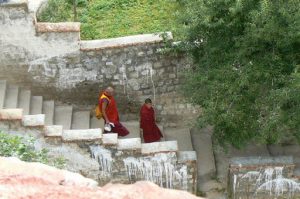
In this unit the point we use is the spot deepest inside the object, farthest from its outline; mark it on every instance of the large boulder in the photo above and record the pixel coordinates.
(19, 179)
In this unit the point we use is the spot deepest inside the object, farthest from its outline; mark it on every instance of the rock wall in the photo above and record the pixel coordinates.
(263, 177)
(107, 158)
(51, 59)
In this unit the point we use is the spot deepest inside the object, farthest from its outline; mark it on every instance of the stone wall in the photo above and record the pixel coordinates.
(51, 60)
(105, 157)
(263, 177)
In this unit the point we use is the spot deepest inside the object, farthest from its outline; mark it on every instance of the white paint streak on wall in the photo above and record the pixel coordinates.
(103, 156)
(160, 169)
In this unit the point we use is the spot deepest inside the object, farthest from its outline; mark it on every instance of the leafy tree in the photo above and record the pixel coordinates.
(246, 74)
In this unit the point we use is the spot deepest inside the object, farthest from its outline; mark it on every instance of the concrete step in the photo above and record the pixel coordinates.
(133, 127)
(63, 116)
(81, 120)
(161, 127)
(296, 173)
(24, 101)
(2, 92)
(183, 137)
(48, 110)
(82, 135)
(95, 123)
(11, 96)
(36, 105)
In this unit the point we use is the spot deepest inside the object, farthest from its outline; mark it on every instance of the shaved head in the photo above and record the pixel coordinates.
(109, 91)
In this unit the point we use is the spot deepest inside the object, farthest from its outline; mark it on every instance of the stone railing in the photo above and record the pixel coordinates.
(105, 157)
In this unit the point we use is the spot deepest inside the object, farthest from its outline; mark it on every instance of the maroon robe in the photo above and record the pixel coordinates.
(113, 115)
(151, 132)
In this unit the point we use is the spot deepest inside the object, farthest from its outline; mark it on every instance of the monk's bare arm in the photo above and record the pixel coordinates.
(104, 105)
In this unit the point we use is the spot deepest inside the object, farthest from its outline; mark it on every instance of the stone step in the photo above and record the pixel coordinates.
(206, 165)
(63, 116)
(2, 93)
(161, 127)
(82, 135)
(24, 101)
(96, 123)
(36, 105)
(11, 114)
(48, 110)
(129, 144)
(296, 173)
(81, 120)
(134, 129)
(159, 147)
(33, 120)
(11, 96)
(53, 131)
(183, 137)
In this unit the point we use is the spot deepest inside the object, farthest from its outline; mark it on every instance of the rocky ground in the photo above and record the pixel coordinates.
(24, 180)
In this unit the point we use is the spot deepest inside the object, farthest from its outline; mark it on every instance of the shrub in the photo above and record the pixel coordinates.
(16, 146)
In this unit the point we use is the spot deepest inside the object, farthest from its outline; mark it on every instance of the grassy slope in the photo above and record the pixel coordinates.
(114, 18)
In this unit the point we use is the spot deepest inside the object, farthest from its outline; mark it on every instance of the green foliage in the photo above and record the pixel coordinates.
(114, 18)
(57, 11)
(22, 148)
(246, 75)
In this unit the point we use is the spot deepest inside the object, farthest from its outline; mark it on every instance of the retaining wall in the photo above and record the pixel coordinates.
(51, 60)
(105, 157)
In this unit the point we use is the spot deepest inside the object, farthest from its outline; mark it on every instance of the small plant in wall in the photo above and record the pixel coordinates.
(23, 148)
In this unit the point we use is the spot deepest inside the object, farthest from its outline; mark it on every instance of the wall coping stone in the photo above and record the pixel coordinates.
(34, 120)
(110, 139)
(187, 156)
(11, 114)
(260, 160)
(89, 45)
(53, 131)
(129, 144)
(158, 147)
(15, 3)
(58, 27)
(82, 135)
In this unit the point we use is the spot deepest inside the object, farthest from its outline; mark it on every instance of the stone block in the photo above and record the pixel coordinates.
(187, 156)
(11, 114)
(129, 144)
(82, 135)
(110, 139)
(58, 27)
(157, 65)
(53, 131)
(158, 147)
(140, 54)
(122, 41)
(172, 76)
(34, 120)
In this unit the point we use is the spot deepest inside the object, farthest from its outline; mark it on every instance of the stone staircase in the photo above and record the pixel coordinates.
(64, 123)
(13, 97)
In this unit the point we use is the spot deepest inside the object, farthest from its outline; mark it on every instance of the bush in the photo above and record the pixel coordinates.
(246, 75)
(16, 146)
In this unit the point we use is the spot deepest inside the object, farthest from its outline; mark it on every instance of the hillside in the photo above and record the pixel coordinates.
(113, 18)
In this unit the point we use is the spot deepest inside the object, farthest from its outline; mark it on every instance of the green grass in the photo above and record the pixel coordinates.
(114, 18)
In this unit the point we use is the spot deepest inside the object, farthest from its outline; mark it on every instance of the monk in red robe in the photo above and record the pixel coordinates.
(151, 132)
(110, 113)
